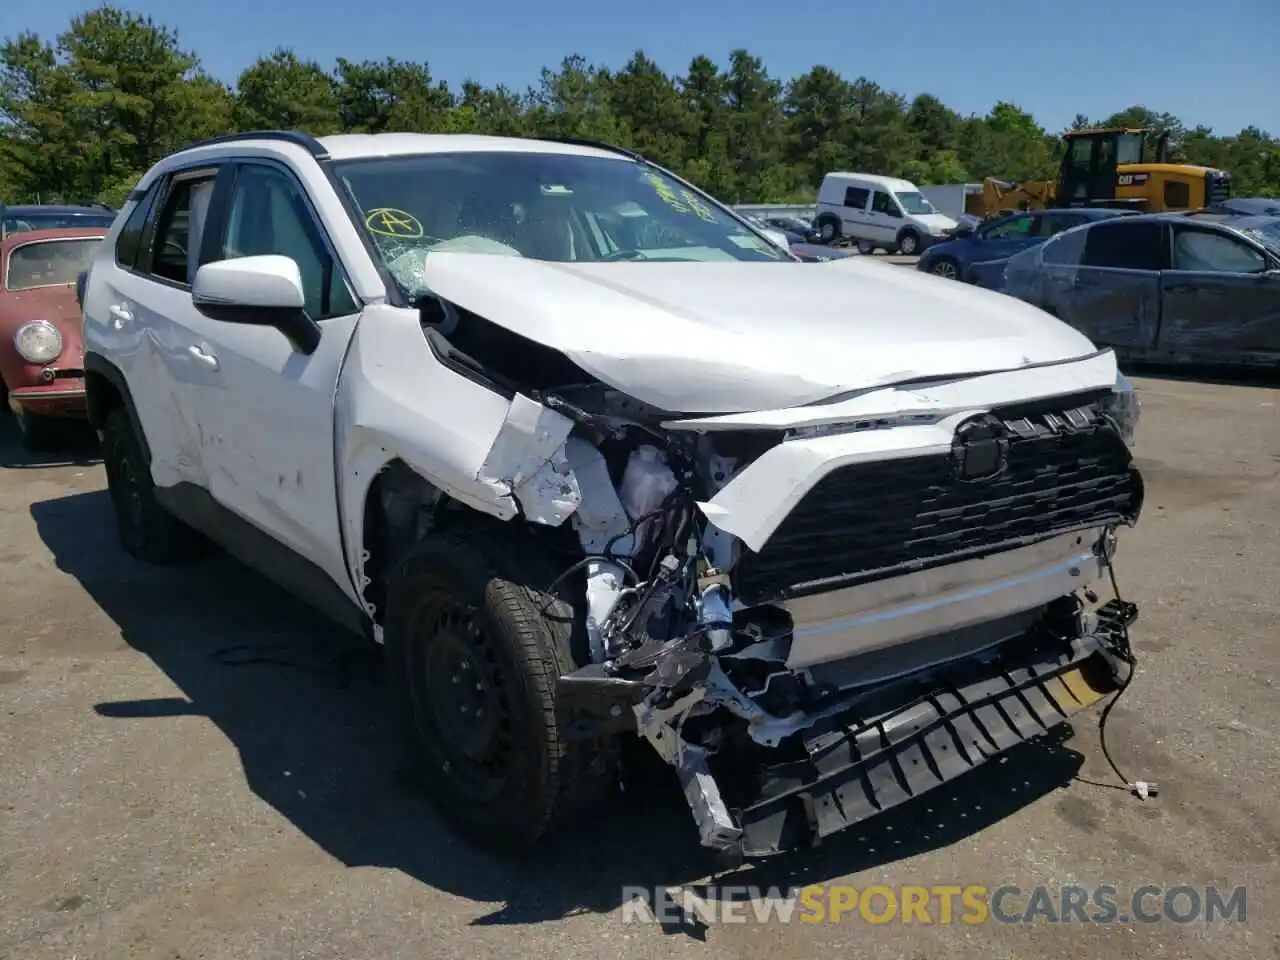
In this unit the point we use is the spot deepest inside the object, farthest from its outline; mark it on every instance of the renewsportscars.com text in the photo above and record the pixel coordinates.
(938, 904)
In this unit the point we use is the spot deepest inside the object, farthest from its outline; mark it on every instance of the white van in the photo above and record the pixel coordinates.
(878, 212)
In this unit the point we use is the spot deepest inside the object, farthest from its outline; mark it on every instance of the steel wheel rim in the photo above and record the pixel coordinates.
(460, 699)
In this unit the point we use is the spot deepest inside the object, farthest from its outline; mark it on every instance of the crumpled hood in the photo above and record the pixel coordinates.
(733, 337)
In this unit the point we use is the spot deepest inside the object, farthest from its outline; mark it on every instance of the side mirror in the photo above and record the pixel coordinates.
(258, 291)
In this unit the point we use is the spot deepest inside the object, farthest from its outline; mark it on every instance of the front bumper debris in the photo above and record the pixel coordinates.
(856, 771)
(882, 748)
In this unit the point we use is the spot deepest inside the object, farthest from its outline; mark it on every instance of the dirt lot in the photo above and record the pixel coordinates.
(156, 801)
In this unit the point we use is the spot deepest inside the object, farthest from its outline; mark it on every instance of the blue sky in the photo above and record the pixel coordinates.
(1215, 62)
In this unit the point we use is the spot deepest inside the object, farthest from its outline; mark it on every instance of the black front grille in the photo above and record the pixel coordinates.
(1065, 471)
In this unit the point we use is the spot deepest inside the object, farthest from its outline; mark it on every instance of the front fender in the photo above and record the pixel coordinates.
(398, 400)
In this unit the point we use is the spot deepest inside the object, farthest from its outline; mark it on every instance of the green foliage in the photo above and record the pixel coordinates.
(84, 114)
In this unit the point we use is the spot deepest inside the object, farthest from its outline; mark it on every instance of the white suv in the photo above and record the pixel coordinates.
(565, 434)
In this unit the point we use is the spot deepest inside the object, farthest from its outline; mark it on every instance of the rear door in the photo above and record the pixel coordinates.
(138, 301)
(1115, 297)
(1220, 300)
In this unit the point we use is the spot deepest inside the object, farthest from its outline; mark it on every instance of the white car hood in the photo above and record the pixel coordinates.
(730, 337)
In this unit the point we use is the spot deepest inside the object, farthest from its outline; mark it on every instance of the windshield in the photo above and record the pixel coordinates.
(14, 223)
(1129, 147)
(48, 263)
(556, 207)
(914, 202)
(1267, 234)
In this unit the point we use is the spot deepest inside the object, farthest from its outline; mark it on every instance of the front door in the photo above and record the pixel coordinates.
(268, 434)
(1221, 299)
(886, 218)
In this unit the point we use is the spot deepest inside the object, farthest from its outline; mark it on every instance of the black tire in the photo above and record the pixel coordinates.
(828, 230)
(908, 243)
(866, 247)
(147, 531)
(39, 433)
(473, 664)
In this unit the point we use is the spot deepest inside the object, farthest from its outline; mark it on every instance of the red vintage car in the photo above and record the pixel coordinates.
(41, 351)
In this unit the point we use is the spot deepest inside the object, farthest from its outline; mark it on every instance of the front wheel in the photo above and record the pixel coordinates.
(475, 649)
(909, 243)
(946, 268)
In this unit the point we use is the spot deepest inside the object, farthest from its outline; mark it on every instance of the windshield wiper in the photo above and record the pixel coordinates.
(623, 253)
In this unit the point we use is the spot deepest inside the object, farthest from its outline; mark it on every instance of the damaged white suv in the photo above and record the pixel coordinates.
(596, 460)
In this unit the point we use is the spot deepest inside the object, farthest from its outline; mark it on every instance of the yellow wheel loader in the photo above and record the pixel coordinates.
(1113, 167)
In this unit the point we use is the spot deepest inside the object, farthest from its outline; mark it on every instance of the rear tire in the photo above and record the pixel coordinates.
(473, 667)
(828, 230)
(147, 531)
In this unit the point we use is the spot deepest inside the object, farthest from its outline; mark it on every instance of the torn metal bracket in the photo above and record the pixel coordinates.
(527, 460)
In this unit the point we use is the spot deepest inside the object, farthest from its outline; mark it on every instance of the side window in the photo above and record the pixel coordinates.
(129, 243)
(1123, 244)
(856, 197)
(881, 202)
(176, 244)
(1010, 228)
(1053, 224)
(1208, 252)
(1177, 195)
(1064, 250)
(269, 215)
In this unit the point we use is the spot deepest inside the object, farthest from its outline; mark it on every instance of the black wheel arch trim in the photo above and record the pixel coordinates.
(95, 363)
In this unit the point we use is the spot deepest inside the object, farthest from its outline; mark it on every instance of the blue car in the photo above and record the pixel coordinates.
(1000, 238)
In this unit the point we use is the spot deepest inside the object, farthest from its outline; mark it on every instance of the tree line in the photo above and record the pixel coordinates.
(83, 114)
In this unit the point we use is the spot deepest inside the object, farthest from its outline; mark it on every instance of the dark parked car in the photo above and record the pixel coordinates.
(1163, 287)
(807, 232)
(22, 218)
(1000, 238)
(1246, 206)
(818, 253)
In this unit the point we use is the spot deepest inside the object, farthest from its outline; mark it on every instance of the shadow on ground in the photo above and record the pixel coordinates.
(316, 744)
(74, 445)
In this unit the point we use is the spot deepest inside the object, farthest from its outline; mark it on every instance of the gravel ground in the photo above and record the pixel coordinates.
(158, 801)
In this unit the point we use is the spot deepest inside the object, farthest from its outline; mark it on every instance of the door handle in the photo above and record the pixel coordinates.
(203, 356)
(120, 316)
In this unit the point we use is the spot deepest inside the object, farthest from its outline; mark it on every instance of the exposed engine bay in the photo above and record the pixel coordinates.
(907, 618)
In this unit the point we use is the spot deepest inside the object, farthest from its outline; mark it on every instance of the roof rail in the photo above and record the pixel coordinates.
(597, 144)
(304, 140)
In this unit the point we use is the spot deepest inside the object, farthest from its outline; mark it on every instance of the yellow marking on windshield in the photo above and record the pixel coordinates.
(664, 191)
(390, 222)
(697, 206)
